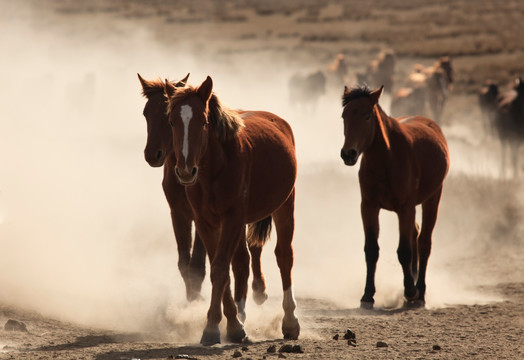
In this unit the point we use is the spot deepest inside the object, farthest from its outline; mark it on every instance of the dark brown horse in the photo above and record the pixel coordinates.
(239, 167)
(158, 152)
(404, 164)
(306, 90)
(509, 124)
(488, 98)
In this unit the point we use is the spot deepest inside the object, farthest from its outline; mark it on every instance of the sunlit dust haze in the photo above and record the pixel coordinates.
(85, 232)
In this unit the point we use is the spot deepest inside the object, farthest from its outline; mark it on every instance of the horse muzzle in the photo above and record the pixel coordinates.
(350, 156)
(155, 159)
(185, 177)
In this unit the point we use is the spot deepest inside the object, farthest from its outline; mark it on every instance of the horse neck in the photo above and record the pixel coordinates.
(384, 127)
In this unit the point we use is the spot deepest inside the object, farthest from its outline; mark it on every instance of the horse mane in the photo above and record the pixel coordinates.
(355, 93)
(153, 86)
(226, 122)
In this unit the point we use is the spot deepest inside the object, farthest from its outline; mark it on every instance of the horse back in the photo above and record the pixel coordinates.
(269, 147)
(429, 151)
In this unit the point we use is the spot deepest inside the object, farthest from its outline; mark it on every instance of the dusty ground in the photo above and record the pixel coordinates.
(479, 211)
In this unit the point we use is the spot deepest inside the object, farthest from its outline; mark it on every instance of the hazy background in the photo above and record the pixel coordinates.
(85, 232)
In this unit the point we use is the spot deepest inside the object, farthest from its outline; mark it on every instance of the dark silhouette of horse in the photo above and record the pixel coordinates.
(306, 90)
(509, 124)
(159, 152)
(238, 167)
(404, 164)
(380, 71)
(436, 80)
(409, 101)
(488, 98)
(337, 72)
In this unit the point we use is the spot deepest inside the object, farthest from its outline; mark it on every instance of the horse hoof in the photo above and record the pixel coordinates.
(366, 305)
(411, 295)
(237, 337)
(259, 297)
(194, 296)
(291, 331)
(415, 304)
(210, 338)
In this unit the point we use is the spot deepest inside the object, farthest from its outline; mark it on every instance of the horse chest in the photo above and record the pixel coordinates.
(390, 189)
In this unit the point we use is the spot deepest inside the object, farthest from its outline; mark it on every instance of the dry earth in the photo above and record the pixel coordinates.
(481, 214)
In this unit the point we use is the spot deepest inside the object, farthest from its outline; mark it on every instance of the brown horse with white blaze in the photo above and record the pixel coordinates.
(229, 161)
(404, 163)
(159, 151)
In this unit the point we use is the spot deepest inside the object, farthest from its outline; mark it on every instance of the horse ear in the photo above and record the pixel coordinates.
(146, 85)
(169, 88)
(182, 82)
(375, 94)
(346, 89)
(205, 90)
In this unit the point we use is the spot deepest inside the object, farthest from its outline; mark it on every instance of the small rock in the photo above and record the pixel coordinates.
(272, 349)
(436, 347)
(336, 337)
(282, 356)
(349, 334)
(352, 342)
(381, 344)
(14, 325)
(287, 348)
(237, 354)
(245, 348)
(297, 349)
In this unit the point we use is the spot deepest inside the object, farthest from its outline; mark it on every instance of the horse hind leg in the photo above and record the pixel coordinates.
(259, 282)
(240, 265)
(284, 219)
(404, 252)
(429, 219)
(414, 251)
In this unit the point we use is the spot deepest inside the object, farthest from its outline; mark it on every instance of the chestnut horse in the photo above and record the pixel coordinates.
(239, 167)
(159, 151)
(404, 164)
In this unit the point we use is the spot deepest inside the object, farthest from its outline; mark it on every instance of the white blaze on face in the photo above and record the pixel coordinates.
(186, 113)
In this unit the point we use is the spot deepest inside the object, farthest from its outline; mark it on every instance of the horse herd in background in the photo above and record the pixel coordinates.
(424, 91)
(232, 173)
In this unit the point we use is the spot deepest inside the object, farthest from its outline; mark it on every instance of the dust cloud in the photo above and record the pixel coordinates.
(85, 233)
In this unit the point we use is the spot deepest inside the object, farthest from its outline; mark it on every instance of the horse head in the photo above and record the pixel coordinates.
(359, 127)
(159, 141)
(188, 118)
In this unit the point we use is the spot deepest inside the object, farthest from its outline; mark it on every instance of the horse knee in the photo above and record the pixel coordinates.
(404, 254)
(371, 250)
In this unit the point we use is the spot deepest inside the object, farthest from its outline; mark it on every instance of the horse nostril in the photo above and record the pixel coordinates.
(352, 153)
(343, 154)
(159, 154)
(194, 171)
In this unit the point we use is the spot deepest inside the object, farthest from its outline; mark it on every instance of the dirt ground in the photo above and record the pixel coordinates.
(482, 212)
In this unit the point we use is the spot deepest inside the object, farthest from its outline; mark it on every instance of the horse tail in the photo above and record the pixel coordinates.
(258, 232)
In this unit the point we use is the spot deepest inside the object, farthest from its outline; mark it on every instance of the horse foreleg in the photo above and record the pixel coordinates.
(259, 282)
(406, 217)
(197, 268)
(182, 229)
(240, 266)
(284, 220)
(229, 237)
(369, 214)
(429, 218)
